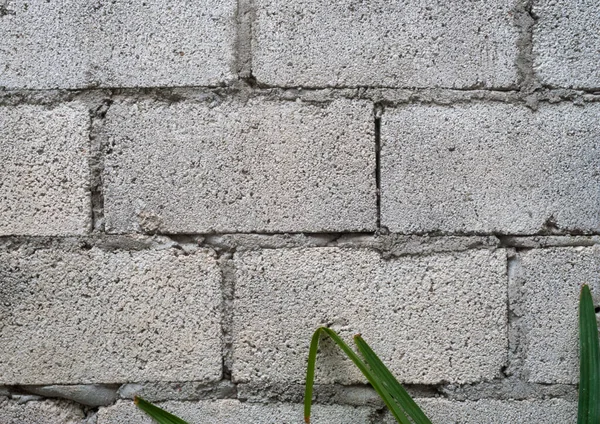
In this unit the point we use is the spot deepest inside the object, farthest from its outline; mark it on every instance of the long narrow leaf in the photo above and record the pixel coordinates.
(373, 380)
(589, 361)
(159, 414)
(390, 383)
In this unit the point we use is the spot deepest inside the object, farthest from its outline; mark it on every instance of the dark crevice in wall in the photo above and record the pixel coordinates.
(226, 265)
(378, 164)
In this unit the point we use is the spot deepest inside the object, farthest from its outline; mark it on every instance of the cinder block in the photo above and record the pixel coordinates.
(547, 305)
(44, 171)
(490, 168)
(317, 43)
(430, 318)
(264, 166)
(40, 412)
(488, 411)
(230, 411)
(157, 43)
(91, 316)
(76, 43)
(566, 43)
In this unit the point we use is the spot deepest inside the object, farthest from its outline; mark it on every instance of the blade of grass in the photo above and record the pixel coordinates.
(589, 361)
(395, 389)
(159, 414)
(373, 380)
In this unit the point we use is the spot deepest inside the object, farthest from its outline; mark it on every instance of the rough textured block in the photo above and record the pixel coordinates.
(91, 316)
(566, 43)
(263, 166)
(157, 43)
(229, 411)
(44, 172)
(129, 43)
(487, 168)
(458, 44)
(551, 411)
(46, 412)
(431, 318)
(548, 308)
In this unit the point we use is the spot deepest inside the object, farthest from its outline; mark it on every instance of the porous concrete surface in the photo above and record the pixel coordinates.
(431, 318)
(490, 168)
(457, 44)
(85, 394)
(230, 411)
(547, 411)
(78, 44)
(265, 166)
(545, 291)
(44, 171)
(152, 44)
(40, 412)
(92, 316)
(566, 43)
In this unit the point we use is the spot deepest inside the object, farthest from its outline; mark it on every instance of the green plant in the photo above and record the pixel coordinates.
(589, 361)
(160, 415)
(381, 379)
(399, 402)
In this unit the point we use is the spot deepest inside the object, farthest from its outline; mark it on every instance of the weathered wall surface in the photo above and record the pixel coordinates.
(189, 189)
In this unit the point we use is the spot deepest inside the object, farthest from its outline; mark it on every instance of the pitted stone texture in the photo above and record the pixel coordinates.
(316, 43)
(550, 411)
(230, 411)
(431, 319)
(45, 44)
(548, 308)
(265, 166)
(44, 171)
(490, 168)
(157, 43)
(80, 43)
(89, 316)
(43, 412)
(566, 43)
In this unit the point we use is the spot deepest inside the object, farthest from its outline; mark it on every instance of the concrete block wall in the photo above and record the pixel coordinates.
(189, 189)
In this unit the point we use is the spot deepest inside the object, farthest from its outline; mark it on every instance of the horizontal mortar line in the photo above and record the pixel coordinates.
(261, 88)
(432, 234)
(504, 240)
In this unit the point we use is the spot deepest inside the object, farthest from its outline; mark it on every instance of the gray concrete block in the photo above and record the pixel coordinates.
(548, 411)
(45, 412)
(263, 166)
(431, 318)
(179, 43)
(230, 411)
(76, 44)
(45, 45)
(490, 168)
(90, 316)
(318, 43)
(547, 304)
(44, 172)
(566, 43)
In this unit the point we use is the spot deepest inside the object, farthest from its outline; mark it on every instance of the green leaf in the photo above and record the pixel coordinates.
(589, 361)
(398, 393)
(160, 415)
(375, 382)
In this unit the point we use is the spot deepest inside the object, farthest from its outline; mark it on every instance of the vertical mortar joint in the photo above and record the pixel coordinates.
(97, 157)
